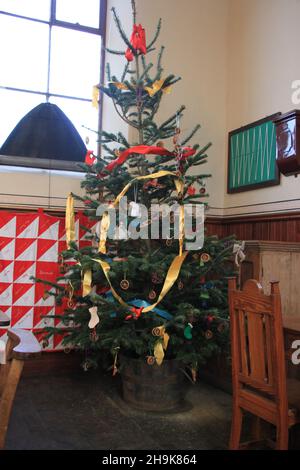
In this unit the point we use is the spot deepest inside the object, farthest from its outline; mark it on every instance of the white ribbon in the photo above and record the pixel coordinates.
(238, 250)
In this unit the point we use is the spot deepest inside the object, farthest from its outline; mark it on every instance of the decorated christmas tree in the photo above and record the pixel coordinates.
(137, 289)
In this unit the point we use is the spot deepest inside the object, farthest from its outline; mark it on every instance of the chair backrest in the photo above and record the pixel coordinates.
(257, 344)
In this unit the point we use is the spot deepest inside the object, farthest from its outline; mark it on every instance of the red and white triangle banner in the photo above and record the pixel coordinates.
(29, 247)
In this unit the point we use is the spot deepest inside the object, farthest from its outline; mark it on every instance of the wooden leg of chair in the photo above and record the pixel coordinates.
(282, 437)
(8, 396)
(236, 427)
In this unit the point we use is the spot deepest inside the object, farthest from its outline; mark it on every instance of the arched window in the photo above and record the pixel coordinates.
(52, 52)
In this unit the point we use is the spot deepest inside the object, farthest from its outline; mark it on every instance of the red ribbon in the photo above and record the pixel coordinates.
(90, 158)
(138, 42)
(137, 312)
(147, 149)
(191, 191)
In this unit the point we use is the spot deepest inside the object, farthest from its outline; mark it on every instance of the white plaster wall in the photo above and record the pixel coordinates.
(263, 61)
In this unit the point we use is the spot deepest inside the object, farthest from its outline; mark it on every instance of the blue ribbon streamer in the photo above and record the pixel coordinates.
(141, 303)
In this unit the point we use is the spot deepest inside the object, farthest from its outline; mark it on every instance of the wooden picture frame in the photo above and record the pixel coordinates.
(252, 156)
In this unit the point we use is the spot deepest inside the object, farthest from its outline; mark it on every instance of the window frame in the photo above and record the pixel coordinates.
(101, 32)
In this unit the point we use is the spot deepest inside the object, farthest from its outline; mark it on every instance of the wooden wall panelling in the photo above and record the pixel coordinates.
(273, 227)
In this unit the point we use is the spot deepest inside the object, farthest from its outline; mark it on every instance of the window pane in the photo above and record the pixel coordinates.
(24, 57)
(39, 9)
(75, 62)
(13, 107)
(83, 12)
(81, 114)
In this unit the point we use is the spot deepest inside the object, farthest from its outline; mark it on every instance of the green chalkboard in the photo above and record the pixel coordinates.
(252, 156)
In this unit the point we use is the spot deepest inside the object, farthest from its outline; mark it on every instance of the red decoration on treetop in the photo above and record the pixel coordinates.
(138, 42)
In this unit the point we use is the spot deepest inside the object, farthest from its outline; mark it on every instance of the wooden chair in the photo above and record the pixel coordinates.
(258, 362)
(21, 345)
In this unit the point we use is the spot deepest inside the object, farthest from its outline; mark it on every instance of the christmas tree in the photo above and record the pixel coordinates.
(146, 297)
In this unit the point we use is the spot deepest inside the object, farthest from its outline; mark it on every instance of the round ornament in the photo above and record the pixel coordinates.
(124, 284)
(150, 360)
(152, 294)
(156, 331)
(205, 257)
(209, 334)
(180, 285)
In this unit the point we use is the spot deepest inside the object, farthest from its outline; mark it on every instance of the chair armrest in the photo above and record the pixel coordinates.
(24, 344)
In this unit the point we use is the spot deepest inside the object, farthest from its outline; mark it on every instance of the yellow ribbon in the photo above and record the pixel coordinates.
(177, 262)
(159, 353)
(161, 346)
(87, 283)
(171, 278)
(120, 85)
(106, 219)
(159, 174)
(105, 268)
(71, 293)
(70, 220)
(167, 90)
(95, 97)
(104, 226)
(155, 87)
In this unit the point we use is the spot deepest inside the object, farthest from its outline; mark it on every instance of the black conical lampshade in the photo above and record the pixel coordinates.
(45, 132)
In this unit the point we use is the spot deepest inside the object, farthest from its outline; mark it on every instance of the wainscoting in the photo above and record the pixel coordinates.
(274, 227)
